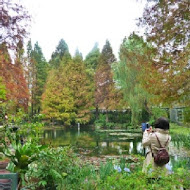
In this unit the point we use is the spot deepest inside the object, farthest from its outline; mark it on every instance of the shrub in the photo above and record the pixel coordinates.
(51, 168)
(187, 115)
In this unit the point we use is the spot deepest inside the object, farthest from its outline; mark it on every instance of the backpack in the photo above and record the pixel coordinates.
(162, 157)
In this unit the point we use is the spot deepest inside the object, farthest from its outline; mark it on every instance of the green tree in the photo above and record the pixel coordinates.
(41, 75)
(2, 91)
(60, 53)
(91, 59)
(129, 75)
(37, 69)
(31, 74)
(78, 55)
(30, 67)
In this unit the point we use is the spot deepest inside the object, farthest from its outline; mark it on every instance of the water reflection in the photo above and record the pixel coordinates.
(102, 144)
(95, 144)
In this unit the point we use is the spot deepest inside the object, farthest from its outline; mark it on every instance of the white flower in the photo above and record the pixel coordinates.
(118, 168)
(127, 170)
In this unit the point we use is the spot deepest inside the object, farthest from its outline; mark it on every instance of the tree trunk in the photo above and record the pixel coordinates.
(97, 113)
(107, 119)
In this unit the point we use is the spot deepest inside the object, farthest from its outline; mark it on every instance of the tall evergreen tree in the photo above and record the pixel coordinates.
(91, 62)
(41, 75)
(78, 55)
(61, 51)
(37, 69)
(91, 59)
(30, 66)
(104, 84)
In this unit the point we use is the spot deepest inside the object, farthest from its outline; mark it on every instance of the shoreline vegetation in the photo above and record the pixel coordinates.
(91, 172)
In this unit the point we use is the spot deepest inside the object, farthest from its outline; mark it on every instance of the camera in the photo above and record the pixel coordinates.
(145, 126)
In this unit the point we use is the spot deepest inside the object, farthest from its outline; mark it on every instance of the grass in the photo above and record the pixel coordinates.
(181, 134)
(179, 130)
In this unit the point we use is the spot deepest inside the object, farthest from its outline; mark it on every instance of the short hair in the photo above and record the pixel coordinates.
(162, 123)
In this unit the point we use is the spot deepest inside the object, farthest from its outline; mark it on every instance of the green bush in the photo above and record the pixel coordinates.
(51, 168)
(106, 170)
(60, 169)
(187, 115)
(101, 121)
(180, 134)
(119, 120)
(139, 180)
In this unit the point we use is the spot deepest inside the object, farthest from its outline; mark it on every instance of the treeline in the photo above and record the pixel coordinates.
(75, 86)
(151, 72)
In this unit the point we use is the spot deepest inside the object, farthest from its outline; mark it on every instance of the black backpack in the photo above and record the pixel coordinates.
(162, 157)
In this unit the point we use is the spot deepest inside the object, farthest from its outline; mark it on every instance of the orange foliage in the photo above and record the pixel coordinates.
(13, 78)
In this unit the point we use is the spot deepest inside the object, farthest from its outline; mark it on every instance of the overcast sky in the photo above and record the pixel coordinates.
(81, 23)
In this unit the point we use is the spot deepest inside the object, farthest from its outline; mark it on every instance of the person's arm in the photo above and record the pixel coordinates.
(146, 138)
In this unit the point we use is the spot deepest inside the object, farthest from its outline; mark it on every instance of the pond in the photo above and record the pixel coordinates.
(104, 143)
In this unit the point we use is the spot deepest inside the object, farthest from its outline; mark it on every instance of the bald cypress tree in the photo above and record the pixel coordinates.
(57, 100)
(104, 84)
(69, 93)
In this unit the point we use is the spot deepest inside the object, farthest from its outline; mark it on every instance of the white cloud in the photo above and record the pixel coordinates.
(81, 23)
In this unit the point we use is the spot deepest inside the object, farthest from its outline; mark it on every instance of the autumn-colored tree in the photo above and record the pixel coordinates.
(14, 20)
(104, 84)
(21, 88)
(68, 96)
(81, 89)
(13, 78)
(57, 101)
(167, 29)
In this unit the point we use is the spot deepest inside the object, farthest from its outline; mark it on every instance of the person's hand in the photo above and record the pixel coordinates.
(149, 130)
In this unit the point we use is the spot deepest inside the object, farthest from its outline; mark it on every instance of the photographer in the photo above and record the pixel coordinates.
(154, 141)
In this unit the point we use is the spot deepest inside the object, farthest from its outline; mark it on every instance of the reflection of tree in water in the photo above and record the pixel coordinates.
(100, 144)
(135, 151)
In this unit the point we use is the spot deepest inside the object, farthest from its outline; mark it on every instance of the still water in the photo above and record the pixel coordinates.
(89, 142)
